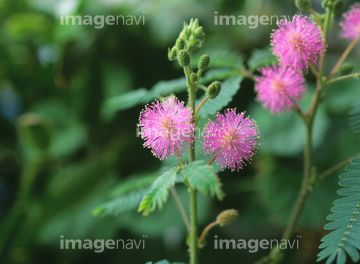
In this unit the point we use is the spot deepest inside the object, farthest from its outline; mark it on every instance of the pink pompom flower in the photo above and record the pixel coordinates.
(277, 86)
(231, 138)
(351, 23)
(298, 41)
(167, 127)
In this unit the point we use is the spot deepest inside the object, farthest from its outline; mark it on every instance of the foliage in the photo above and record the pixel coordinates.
(345, 220)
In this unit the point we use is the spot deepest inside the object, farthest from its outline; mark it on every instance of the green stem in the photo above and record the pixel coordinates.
(205, 232)
(304, 191)
(181, 207)
(317, 18)
(328, 172)
(353, 75)
(200, 105)
(193, 196)
(343, 57)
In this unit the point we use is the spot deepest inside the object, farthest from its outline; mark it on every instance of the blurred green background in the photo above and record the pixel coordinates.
(61, 152)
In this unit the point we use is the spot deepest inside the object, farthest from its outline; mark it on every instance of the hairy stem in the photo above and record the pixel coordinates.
(193, 196)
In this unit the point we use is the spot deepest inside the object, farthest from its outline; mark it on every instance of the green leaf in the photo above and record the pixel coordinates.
(261, 57)
(160, 89)
(203, 178)
(354, 117)
(133, 183)
(345, 237)
(127, 202)
(158, 193)
(228, 89)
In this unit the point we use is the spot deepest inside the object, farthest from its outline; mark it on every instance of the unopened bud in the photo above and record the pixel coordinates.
(199, 31)
(184, 58)
(227, 217)
(172, 53)
(345, 69)
(192, 43)
(180, 44)
(193, 77)
(185, 33)
(204, 62)
(195, 24)
(213, 90)
(303, 5)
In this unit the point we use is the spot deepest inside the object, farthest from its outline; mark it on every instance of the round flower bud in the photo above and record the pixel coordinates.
(195, 24)
(180, 44)
(184, 58)
(193, 77)
(185, 33)
(346, 69)
(204, 62)
(213, 90)
(192, 43)
(172, 53)
(199, 31)
(303, 5)
(227, 217)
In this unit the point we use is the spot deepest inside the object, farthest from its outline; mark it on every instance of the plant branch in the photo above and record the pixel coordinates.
(328, 172)
(312, 67)
(212, 160)
(343, 57)
(193, 196)
(181, 207)
(205, 231)
(353, 75)
(317, 18)
(200, 105)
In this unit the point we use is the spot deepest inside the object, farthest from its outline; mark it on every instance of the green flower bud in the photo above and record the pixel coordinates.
(180, 44)
(213, 89)
(195, 25)
(227, 217)
(185, 33)
(193, 77)
(172, 53)
(184, 58)
(303, 5)
(192, 43)
(345, 69)
(204, 62)
(338, 6)
(199, 32)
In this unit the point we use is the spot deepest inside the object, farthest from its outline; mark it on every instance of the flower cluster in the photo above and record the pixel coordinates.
(296, 43)
(168, 128)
